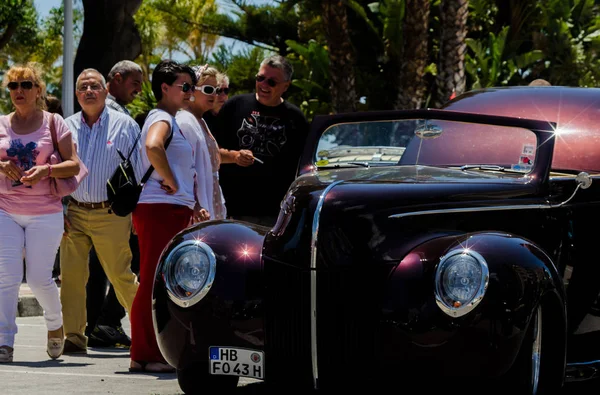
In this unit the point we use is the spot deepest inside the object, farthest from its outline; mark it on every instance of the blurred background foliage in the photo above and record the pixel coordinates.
(367, 46)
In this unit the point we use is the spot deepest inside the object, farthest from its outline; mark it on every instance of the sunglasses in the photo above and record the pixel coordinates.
(224, 91)
(270, 81)
(14, 85)
(185, 87)
(208, 90)
(93, 87)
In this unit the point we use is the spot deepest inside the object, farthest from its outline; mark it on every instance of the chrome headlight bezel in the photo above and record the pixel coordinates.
(169, 269)
(441, 296)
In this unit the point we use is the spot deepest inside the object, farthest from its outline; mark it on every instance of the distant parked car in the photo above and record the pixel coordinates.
(458, 245)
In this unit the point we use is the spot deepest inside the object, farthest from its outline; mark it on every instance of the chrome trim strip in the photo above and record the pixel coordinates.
(473, 209)
(313, 282)
(212, 267)
(536, 357)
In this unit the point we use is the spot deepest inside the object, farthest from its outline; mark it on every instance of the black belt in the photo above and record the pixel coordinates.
(92, 206)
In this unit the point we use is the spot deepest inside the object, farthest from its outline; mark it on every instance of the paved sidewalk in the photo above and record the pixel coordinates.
(28, 305)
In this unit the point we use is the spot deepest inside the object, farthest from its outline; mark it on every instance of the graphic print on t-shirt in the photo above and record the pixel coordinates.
(263, 135)
(25, 155)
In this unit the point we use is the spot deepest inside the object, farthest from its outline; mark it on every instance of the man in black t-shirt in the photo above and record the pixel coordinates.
(275, 131)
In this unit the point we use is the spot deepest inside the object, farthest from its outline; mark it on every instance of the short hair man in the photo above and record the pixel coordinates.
(275, 131)
(124, 83)
(104, 312)
(98, 132)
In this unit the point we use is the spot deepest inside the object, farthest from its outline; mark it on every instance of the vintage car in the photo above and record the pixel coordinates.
(454, 245)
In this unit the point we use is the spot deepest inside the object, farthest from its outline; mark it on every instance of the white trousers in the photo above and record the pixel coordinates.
(40, 235)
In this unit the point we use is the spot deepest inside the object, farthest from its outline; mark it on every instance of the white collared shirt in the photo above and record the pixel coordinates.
(97, 149)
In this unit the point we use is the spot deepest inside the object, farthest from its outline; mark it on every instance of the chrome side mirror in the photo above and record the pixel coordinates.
(583, 180)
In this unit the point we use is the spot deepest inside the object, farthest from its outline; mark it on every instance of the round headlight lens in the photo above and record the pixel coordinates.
(189, 271)
(461, 281)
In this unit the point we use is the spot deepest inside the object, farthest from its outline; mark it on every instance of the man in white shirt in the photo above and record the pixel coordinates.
(98, 132)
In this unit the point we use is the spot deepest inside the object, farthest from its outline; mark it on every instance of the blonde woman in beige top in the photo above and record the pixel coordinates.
(197, 132)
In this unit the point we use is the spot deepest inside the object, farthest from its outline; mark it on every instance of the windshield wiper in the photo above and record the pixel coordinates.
(363, 164)
(342, 164)
(482, 167)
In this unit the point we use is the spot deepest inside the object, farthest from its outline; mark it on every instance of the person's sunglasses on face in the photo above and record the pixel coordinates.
(224, 91)
(14, 85)
(186, 87)
(270, 81)
(208, 90)
(93, 87)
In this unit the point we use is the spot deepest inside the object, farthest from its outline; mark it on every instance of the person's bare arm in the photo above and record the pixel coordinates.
(241, 158)
(157, 154)
(67, 168)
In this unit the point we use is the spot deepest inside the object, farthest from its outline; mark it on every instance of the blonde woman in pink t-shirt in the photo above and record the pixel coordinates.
(31, 218)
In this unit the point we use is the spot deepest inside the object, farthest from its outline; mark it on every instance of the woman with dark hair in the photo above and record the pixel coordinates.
(166, 204)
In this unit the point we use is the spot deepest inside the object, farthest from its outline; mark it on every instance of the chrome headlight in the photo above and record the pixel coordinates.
(189, 272)
(461, 280)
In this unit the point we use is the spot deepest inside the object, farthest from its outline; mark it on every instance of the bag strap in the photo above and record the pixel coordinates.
(137, 138)
(151, 169)
(53, 132)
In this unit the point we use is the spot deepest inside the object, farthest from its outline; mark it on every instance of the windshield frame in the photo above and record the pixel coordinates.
(543, 130)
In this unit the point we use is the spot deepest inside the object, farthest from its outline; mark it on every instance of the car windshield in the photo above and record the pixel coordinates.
(427, 142)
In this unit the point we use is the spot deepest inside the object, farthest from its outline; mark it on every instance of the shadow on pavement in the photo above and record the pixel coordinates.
(58, 363)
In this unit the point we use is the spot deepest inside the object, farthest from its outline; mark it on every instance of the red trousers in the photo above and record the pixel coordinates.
(155, 224)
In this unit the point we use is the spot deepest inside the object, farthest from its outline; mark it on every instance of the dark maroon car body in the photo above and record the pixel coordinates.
(342, 288)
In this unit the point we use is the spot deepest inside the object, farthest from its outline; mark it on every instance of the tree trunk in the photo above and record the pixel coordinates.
(411, 87)
(109, 35)
(451, 78)
(341, 56)
(8, 33)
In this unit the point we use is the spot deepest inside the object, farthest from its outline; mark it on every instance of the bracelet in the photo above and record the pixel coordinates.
(49, 169)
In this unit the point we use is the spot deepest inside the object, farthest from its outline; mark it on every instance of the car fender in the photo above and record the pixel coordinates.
(230, 314)
(521, 277)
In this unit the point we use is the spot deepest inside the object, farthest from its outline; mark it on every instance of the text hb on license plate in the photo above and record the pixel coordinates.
(236, 362)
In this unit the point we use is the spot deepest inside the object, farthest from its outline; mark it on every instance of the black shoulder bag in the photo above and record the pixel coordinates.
(122, 187)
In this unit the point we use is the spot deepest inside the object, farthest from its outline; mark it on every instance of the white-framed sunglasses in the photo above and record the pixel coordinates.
(207, 89)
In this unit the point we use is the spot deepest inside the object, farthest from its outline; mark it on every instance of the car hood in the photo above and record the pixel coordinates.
(361, 203)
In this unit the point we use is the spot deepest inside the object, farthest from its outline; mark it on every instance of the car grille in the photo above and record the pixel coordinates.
(287, 323)
(348, 325)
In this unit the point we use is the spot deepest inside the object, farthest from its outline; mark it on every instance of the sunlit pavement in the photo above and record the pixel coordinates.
(105, 371)
(102, 371)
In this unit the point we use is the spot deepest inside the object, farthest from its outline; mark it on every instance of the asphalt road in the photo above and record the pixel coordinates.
(105, 371)
(102, 371)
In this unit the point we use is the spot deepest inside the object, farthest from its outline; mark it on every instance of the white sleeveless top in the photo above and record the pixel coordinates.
(181, 157)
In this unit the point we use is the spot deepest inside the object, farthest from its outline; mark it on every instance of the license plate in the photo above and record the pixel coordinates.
(236, 362)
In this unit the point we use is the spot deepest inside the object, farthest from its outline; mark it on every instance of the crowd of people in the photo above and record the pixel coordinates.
(211, 157)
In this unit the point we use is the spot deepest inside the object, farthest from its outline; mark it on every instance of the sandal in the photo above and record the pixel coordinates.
(136, 369)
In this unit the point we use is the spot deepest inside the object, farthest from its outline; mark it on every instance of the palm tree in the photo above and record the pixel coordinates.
(341, 56)
(411, 88)
(451, 78)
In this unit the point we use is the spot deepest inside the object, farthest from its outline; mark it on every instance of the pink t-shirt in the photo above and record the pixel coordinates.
(27, 151)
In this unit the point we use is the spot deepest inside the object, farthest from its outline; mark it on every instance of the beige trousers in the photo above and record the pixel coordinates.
(109, 234)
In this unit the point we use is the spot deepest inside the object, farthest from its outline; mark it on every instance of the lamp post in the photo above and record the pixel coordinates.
(68, 89)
